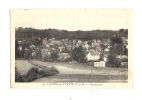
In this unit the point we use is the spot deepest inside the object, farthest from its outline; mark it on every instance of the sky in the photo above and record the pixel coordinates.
(72, 19)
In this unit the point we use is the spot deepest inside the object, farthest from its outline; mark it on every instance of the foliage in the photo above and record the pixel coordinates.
(16, 49)
(101, 56)
(125, 51)
(65, 50)
(113, 61)
(118, 49)
(89, 43)
(45, 57)
(116, 39)
(67, 59)
(102, 51)
(30, 33)
(27, 54)
(18, 76)
(78, 54)
(34, 73)
(54, 55)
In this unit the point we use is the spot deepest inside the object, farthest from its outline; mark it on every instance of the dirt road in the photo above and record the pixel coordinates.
(69, 73)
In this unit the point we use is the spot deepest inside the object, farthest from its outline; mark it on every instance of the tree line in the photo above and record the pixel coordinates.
(28, 33)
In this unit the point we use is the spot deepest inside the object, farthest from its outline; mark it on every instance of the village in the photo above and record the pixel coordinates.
(60, 50)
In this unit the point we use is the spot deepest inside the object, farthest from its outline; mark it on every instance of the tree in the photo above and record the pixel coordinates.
(89, 43)
(112, 61)
(103, 47)
(116, 39)
(16, 49)
(118, 49)
(54, 56)
(78, 54)
(65, 50)
(125, 50)
(28, 53)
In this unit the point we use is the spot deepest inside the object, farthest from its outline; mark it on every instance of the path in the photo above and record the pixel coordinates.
(69, 74)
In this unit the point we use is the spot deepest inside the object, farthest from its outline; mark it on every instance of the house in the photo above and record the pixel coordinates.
(19, 42)
(93, 55)
(125, 40)
(122, 57)
(99, 64)
(98, 48)
(45, 53)
(63, 40)
(106, 41)
(61, 48)
(106, 50)
(124, 64)
(94, 44)
(44, 40)
(32, 46)
(51, 44)
(78, 44)
(45, 50)
(79, 41)
(85, 42)
(64, 55)
(56, 42)
(20, 48)
(33, 53)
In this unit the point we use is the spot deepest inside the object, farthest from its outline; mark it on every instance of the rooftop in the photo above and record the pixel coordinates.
(94, 53)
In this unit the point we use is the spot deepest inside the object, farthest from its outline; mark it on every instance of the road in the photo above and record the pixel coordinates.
(69, 73)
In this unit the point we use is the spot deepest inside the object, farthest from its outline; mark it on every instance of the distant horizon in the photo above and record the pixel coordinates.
(74, 30)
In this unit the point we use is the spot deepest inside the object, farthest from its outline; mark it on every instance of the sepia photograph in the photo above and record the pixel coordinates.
(71, 48)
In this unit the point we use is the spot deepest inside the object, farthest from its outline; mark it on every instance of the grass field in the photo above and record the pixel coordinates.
(27, 72)
(78, 73)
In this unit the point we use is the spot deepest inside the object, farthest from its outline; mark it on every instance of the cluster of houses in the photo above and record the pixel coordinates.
(64, 46)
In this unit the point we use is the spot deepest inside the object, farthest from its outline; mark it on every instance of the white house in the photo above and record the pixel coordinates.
(64, 55)
(99, 64)
(79, 41)
(93, 55)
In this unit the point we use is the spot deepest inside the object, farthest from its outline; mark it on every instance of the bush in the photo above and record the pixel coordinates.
(31, 75)
(112, 61)
(18, 76)
(67, 59)
(48, 71)
(34, 73)
(54, 56)
(52, 71)
(124, 64)
(27, 54)
(45, 58)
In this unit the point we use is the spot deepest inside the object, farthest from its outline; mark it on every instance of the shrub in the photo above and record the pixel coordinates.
(112, 61)
(34, 73)
(27, 54)
(31, 75)
(52, 71)
(18, 76)
(67, 59)
(48, 71)
(54, 56)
